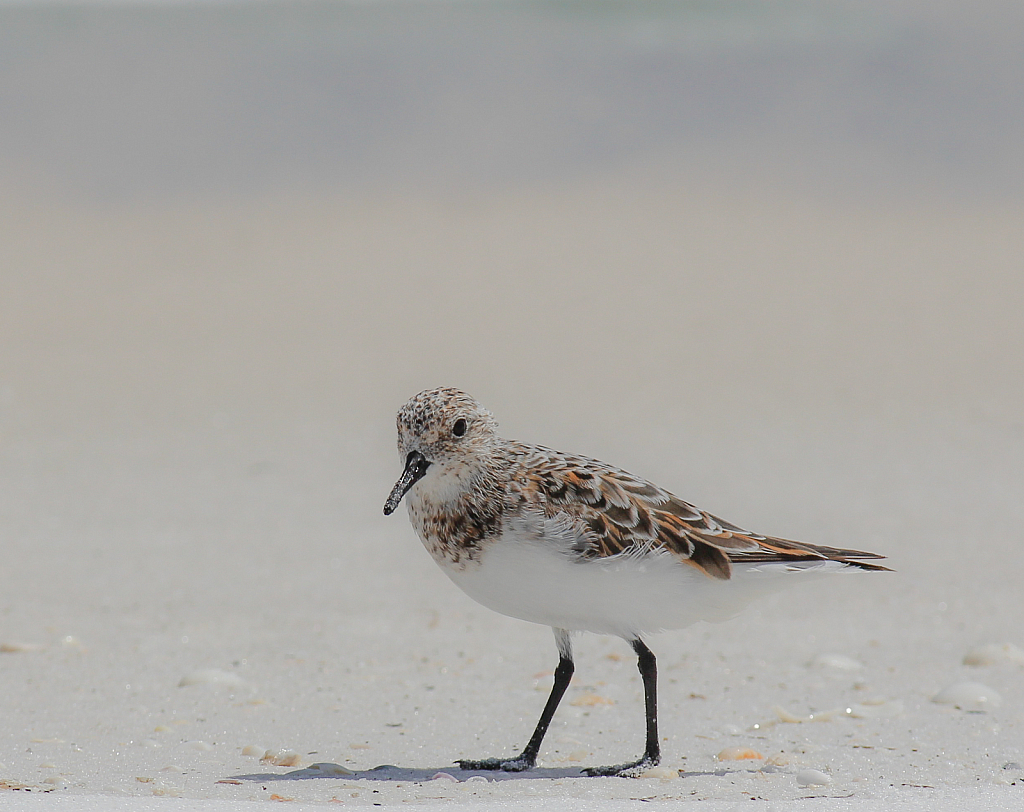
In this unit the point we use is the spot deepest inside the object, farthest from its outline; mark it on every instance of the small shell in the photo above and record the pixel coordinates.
(253, 750)
(812, 778)
(738, 754)
(282, 758)
(968, 696)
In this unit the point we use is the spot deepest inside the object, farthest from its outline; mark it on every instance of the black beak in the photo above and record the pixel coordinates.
(416, 466)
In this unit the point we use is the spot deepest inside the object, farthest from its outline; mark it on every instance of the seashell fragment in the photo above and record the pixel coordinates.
(738, 754)
(971, 696)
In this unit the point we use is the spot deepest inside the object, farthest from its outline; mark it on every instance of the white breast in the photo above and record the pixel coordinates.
(536, 578)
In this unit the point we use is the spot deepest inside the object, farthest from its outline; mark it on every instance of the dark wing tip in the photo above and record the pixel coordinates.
(776, 549)
(863, 565)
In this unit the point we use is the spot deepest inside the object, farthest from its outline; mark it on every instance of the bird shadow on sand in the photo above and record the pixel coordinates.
(389, 772)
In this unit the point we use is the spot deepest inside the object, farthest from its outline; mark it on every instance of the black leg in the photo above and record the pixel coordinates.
(528, 758)
(652, 752)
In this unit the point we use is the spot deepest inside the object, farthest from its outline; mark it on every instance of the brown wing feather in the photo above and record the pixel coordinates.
(622, 514)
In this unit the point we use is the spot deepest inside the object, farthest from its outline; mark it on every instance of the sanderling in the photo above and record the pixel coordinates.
(578, 545)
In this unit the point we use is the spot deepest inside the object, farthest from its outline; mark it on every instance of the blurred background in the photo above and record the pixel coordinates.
(768, 255)
(659, 211)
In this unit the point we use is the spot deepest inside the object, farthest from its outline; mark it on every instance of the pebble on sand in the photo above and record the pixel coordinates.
(993, 654)
(254, 750)
(970, 696)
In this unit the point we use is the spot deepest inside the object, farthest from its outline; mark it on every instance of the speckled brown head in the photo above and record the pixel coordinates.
(441, 433)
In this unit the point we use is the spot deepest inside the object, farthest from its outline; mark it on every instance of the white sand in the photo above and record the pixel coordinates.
(174, 505)
(197, 396)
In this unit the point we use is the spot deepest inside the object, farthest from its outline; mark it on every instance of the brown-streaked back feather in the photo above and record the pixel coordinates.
(623, 515)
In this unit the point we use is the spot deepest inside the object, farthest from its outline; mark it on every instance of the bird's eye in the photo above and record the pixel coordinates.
(459, 429)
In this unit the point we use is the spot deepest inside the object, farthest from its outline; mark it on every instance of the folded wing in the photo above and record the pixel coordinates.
(624, 515)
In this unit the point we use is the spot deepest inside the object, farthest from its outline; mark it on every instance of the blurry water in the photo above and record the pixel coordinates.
(127, 102)
(289, 210)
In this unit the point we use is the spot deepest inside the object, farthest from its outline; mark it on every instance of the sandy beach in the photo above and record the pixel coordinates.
(206, 327)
